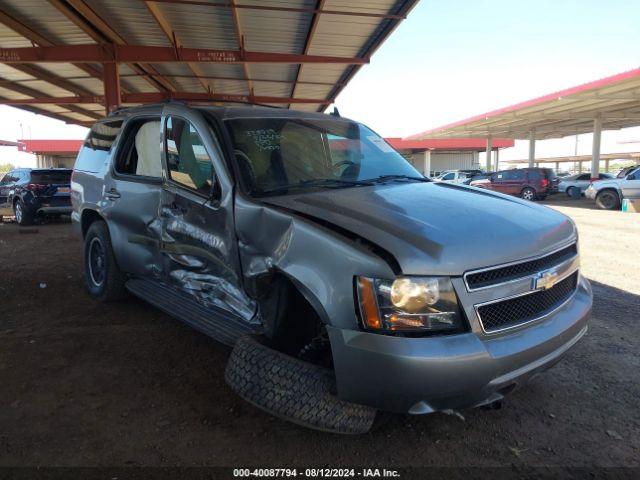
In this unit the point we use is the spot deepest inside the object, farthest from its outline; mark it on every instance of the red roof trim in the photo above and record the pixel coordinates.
(475, 144)
(603, 82)
(50, 146)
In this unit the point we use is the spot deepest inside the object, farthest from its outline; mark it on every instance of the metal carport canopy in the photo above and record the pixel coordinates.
(609, 103)
(74, 59)
(614, 100)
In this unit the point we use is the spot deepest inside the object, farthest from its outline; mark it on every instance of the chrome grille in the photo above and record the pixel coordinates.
(493, 276)
(516, 311)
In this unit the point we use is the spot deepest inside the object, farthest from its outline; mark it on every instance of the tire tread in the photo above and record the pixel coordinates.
(291, 389)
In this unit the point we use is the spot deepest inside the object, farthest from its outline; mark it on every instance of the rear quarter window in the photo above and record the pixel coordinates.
(95, 150)
(535, 175)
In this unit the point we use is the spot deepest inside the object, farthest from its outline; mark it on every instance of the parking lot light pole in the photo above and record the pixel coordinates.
(489, 148)
(595, 156)
(532, 147)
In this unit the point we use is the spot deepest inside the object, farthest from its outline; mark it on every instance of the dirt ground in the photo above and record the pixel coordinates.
(83, 384)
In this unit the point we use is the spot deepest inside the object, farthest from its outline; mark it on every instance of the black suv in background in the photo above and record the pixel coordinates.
(33, 193)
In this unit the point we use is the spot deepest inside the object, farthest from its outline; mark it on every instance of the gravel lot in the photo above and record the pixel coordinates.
(84, 384)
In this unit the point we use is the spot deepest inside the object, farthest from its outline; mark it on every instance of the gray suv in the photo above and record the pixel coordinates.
(344, 280)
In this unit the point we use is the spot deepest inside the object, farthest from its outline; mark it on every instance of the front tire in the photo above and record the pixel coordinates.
(608, 200)
(570, 191)
(528, 193)
(292, 389)
(23, 216)
(103, 278)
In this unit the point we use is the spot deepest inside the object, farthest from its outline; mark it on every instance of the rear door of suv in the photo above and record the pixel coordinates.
(131, 194)
(630, 186)
(509, 181)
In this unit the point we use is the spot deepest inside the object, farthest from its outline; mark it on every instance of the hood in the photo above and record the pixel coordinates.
(438, 228)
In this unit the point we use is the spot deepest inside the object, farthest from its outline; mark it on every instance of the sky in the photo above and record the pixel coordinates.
(452, 59)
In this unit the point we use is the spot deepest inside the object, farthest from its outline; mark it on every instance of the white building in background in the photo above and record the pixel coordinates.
(436, 155)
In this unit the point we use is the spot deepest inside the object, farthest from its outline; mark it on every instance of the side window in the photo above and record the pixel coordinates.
(449, 176)
(188, 163)
(535, 175)
(586, 177)
(518, 175)
(96, 147)
(498, 177)
(6, 179)
(140, 150)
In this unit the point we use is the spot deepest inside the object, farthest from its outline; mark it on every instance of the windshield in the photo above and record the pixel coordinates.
(280, 155)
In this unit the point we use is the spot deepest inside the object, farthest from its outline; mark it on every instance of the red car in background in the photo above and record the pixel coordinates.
(527, 183)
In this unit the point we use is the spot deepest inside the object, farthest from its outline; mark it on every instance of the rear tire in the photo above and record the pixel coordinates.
(103, 278)
(292, 389)
(608, 200)
(23, 216)
(528, 193)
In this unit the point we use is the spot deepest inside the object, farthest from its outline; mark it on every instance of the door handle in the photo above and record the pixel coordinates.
(112, 194)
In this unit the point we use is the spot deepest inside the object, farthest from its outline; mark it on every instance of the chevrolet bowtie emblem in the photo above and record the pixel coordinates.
(545, 280)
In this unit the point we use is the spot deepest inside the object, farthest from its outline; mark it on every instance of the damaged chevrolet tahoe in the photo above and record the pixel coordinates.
(344, 280)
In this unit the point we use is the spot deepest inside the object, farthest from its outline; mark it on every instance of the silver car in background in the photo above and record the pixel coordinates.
(579, 181)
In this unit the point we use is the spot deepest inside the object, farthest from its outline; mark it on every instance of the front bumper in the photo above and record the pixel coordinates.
(423, 375)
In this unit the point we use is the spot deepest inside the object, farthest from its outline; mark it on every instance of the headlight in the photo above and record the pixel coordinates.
(408, 304)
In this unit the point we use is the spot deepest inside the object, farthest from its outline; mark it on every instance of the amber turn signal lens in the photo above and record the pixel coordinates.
(368, 304)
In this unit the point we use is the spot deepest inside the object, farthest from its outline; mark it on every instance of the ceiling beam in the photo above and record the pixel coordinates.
(231, 5)
(240, 39)
(38, 39)
(91, 53)
(205, 77)
(165, 26)
(81, 15)
(307, 44)
(162, 96)
(32, 92)
(40, 73)
(54, 115)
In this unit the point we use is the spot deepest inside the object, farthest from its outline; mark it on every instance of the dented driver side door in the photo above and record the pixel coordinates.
(199, 244)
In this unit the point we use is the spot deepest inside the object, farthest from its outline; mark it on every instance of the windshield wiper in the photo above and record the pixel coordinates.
(384, 178)
(316, 182)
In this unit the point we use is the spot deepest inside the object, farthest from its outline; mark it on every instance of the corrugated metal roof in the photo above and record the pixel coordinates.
(615, 100)
(328, 28)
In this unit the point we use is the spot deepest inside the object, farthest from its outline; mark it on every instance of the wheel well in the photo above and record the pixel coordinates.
(88, 217)
(612, 190)
(290, 321)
